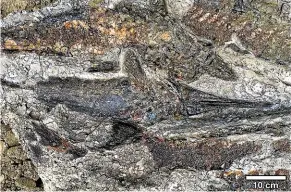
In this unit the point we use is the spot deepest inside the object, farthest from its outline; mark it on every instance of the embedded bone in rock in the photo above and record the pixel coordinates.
(149, 95)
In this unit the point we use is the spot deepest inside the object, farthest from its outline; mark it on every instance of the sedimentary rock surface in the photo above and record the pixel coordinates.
(17, 170)
(150, 94)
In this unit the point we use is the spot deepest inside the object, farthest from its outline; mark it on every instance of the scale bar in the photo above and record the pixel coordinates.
(266, 177)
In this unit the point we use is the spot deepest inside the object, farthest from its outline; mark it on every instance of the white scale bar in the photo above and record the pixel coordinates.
(266, 177)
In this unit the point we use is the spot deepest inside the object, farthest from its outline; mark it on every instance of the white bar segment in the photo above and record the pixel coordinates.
(266, 177)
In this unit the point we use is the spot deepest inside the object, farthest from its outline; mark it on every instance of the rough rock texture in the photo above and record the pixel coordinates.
(150, 94)
(17, 171)
(10, 6)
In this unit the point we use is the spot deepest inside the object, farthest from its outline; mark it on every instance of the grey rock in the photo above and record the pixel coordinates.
(29, 171)
(24, 17)
(170, 116)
